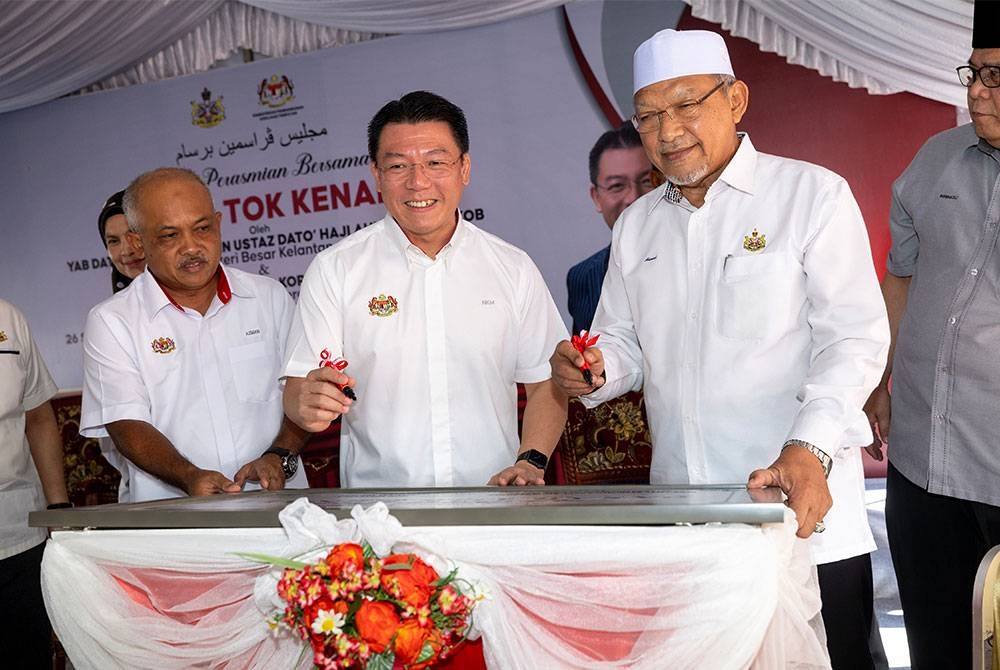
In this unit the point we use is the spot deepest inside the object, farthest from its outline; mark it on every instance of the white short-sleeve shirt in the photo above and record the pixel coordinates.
(25, 384)
(437, 347)
(208, 383)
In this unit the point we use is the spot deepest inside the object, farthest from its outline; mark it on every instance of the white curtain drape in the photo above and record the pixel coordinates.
(722, 596)
(233, 26)
(885, 47)
(50, 49)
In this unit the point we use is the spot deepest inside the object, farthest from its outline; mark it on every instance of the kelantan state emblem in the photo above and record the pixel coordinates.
(163, 345)
(754, 241)
(208, 112)
(383, 305)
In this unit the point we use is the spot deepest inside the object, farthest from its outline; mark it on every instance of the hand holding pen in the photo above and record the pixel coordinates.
(337, 364)
(582, 342)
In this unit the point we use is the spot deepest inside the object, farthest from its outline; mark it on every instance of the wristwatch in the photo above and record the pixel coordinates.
(823, 457)
(534, 457)
(289, 461)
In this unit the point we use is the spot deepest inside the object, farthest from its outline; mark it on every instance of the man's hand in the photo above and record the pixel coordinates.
(315, 401)
(521, 473)
(878, 409)
(799, 474)
(266, 470)
(208, 482)
(566, 362)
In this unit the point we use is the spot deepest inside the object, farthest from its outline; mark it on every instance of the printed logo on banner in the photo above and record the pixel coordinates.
(275, 92)
(383, 305)
(3, 336)
(208, 113)
(163, 345)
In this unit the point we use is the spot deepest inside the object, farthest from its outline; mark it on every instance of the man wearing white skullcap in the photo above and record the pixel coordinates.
(742, 298)
(942, 507)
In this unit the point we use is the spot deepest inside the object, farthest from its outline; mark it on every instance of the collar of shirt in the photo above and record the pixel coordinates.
(987, 148)
(413, 253)
(738, 174)
(155, 297)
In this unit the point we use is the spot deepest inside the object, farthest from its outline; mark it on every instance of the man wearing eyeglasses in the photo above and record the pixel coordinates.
(742, 298)
(942, 289)
(619, 173)
(439, 321)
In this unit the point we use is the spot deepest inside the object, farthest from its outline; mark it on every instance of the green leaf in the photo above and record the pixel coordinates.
(426, 653)
(272, 560)
(381, 661)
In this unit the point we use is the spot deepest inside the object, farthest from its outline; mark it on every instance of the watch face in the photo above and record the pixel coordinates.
(536, 458)
(290, 464)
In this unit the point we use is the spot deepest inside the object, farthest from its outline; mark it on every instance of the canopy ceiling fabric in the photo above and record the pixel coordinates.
(50, 49)
(884, 47)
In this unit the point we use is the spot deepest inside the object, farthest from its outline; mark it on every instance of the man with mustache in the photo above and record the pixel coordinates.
(942, 289)
(742, 298)
(181, 368)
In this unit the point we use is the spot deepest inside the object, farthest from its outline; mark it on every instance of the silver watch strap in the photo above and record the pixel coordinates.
(824, 458)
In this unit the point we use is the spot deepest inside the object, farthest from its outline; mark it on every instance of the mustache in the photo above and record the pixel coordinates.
(192, 258)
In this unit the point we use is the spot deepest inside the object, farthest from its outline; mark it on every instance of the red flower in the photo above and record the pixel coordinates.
(377, 622)
(414, 584)
(343, 555)
(410, 640)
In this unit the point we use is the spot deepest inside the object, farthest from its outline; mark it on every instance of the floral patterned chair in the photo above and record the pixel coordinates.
(609, 444)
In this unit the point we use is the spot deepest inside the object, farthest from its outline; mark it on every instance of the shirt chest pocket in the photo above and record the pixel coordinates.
(255, 371)
(757, 296)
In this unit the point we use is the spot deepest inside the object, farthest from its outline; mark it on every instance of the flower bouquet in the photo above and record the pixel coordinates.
(357, 610)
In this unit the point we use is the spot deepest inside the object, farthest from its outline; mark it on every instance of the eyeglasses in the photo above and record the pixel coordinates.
(435, 169)
(618, 187)
(988, 74)
(649, 122)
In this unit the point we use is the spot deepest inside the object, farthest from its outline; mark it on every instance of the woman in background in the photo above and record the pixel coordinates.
(124, 250)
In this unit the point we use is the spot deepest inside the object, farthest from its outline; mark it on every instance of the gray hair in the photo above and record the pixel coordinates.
(130, 201)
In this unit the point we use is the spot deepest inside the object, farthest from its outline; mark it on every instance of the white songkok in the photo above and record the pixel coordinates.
(678, 53)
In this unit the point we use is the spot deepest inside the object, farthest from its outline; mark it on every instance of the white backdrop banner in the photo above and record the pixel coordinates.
(282, 145)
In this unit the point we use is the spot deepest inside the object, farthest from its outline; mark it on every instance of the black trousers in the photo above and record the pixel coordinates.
(25, 633)
(849, 612)
(937, 543)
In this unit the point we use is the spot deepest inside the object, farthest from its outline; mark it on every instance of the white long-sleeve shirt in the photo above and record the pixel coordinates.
(753, 319)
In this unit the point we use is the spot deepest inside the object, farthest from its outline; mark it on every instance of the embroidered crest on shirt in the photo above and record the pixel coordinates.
(754, 241)
(383, 305)
(163, 345)
(3, 336)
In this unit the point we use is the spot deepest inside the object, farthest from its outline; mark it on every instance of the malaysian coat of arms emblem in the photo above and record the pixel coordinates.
(383, 305)
(207, 113)
(275, 92)
(3, 336)
(754, 241)
(163, 345)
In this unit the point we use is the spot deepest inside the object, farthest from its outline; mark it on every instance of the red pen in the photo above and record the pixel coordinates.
(581, 342)
(337, 364)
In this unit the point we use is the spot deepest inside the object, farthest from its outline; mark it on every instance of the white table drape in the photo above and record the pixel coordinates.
(717, 596)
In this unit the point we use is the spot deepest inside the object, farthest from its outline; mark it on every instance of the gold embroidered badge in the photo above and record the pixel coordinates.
(3, 336)
(163, 345)
(754, 241)
(383, 305)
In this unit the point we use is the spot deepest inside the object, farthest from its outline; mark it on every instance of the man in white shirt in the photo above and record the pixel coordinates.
(438, 319)
(31, 474)
(181, 368)
(742, 296)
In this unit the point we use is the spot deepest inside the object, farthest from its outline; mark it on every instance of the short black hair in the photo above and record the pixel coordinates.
(624, 136)
(416, 107)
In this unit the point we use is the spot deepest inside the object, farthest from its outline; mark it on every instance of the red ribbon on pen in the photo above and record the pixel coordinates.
(337, 364)
(581, 342)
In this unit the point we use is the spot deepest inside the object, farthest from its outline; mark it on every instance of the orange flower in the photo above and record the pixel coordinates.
(410, 640)
(412, 585)
(344, 554)
(377, 622)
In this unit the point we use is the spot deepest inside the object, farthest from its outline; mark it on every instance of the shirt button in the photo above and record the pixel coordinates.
(940, 417)
(953, 321)
(693, 316)
(974, 271)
